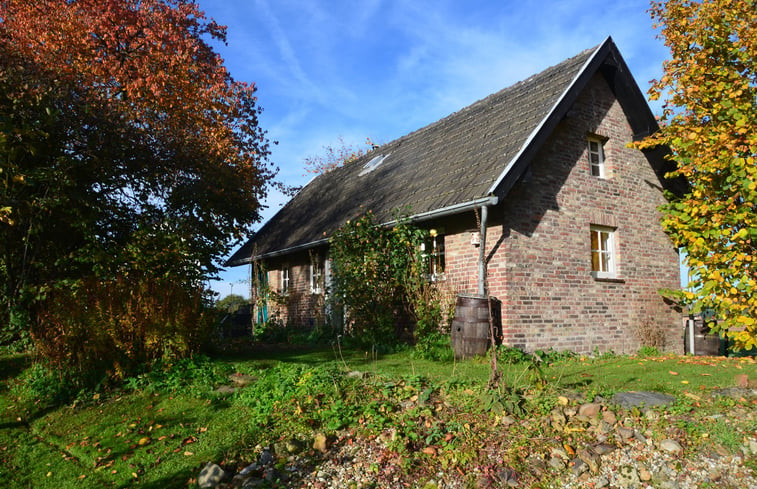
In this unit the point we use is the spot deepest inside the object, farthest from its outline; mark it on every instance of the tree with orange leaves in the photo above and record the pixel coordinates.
(709, 121)
(125, 145)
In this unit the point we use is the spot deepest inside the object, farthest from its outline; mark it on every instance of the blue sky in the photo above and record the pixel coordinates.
(381, 69)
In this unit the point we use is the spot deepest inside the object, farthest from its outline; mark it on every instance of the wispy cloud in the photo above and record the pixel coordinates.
(383, 68)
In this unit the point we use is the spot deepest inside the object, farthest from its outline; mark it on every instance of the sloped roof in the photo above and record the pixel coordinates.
(476, 152)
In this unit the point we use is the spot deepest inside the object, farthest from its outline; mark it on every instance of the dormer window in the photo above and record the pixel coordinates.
(597, 157)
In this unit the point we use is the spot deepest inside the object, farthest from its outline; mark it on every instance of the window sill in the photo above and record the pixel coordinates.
(606, 277)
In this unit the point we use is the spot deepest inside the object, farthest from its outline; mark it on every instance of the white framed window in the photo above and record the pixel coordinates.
(597, 157)
(285, 279)
(433, 251)
(317, 273)
(603, 252)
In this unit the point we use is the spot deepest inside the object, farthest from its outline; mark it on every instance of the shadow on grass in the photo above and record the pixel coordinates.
(312, 355)
(12, 365)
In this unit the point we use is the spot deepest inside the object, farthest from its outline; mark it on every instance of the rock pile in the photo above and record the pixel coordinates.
(623, 444)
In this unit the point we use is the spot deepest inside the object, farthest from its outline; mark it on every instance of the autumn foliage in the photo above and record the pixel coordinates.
(709, 121)
(127, 150)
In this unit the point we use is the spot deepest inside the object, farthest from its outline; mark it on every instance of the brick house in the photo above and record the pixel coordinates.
(540, 174)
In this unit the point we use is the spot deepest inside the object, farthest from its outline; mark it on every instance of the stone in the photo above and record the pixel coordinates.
(644, 474)
(321, 443)
(633, 399)
(266, 457)
(508, 477)
(240, 480)
(242, 380)
(609, 417)
(627, 476)
(601, 483)
(293, 446)
(639, 437)
(722, 451)
(578, 467)
(671, 446)
(250, 469)
(753, 446)
(735, 393)
(604, 449)
(507, 420)
(589, 410)
(562, 400)
(210, 476)
(625, 434)
(589, 458)
(559, 452)
(557, 417)
(556, 463)
(225, 390)
(604, 428)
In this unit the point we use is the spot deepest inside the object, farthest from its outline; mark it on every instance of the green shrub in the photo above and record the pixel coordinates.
(648, 351)
(434, 346)
(44, 386)
(197, 373)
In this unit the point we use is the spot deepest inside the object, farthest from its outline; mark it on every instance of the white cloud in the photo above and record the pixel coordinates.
(383, 68)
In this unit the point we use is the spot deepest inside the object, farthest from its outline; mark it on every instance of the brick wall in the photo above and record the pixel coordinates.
(538, 245)
(299, 306)
(542, 268)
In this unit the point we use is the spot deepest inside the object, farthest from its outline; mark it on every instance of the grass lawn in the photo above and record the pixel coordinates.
(159, 433)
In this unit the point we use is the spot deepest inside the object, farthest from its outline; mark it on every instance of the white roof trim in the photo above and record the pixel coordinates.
(544, 120)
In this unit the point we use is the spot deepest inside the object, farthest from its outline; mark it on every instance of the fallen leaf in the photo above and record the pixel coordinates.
(188, 454)
(684, 381)
(429, 451)
(672, 373)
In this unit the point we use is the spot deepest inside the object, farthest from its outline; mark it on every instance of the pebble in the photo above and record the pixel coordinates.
(624, 459)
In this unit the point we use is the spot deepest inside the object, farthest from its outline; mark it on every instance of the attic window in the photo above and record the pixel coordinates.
(597, 157)
(373, 164)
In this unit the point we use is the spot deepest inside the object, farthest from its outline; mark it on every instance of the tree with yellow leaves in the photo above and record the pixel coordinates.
(709, 122)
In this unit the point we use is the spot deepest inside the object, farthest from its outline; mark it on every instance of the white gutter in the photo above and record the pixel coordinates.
(449, 210)
(423, 216)
(544, 120)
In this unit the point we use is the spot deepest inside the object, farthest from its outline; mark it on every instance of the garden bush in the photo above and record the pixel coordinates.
(118, 327)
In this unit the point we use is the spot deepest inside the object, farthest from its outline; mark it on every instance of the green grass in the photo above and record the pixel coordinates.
(159, 433)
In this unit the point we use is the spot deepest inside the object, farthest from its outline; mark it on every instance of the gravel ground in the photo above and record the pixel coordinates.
(615, 448)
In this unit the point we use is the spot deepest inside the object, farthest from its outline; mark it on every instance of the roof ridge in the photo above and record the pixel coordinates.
(480, 102)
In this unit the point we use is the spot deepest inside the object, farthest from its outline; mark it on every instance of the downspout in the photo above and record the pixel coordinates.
(482, 253)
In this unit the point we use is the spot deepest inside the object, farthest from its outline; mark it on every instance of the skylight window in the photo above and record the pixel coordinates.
(373, 164)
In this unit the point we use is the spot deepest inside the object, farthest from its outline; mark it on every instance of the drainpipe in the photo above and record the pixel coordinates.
(482, 253)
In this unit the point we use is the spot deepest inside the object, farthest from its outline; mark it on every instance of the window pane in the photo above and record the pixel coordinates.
(605, 262)
(594, 240)
(604, 241)
(595, 261)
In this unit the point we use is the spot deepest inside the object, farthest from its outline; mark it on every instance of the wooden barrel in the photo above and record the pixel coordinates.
(702, 341)
(470, 328)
